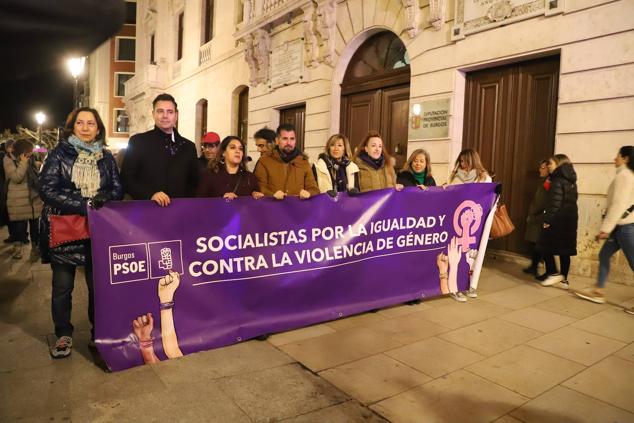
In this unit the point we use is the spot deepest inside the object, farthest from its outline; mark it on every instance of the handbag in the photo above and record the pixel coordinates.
(502, 224)
(67, 228)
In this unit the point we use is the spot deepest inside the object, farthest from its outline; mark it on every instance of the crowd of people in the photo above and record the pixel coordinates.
(160, 165)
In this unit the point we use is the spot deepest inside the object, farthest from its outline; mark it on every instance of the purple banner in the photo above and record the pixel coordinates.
(204, 273)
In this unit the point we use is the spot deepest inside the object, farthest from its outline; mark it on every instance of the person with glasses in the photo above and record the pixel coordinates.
(160, 164)
(209, 144)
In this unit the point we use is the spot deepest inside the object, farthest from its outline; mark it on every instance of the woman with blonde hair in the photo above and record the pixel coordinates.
(468, 169)
(375, 167)
(417, 171)
(334, 170)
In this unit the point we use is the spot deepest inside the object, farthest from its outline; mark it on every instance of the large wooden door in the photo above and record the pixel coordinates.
(296, 116)
(375, 94)
(510, 115)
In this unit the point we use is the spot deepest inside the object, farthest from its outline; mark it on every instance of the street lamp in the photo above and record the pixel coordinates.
(40, 117)
(76, 67)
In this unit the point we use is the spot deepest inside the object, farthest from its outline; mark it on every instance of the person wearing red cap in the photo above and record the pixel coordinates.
(209, 149)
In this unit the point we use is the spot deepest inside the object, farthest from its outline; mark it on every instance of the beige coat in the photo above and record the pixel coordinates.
(371, 179)
(620, 198)
(22, 202)
(325, 181)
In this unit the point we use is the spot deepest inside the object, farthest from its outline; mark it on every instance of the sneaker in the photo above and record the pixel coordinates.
(552, 279)
(62, 347)
(591, 295)
(458, 296)
(530, 270)
(542, 278)
(564, 285)
(629, 310)
(17, 251)
(471, 293)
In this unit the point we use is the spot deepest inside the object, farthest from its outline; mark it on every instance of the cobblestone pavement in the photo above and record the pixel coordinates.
(517, 353)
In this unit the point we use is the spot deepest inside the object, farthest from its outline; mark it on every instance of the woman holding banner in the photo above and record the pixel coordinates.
(227, 175)
(417, 171)
(468, 169)
(77, 173)
(375, 165)
(335, 172)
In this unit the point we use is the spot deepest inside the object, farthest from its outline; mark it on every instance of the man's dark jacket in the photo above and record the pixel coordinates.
(153, 163)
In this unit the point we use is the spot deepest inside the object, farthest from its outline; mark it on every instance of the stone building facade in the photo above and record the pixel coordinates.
(518, 80)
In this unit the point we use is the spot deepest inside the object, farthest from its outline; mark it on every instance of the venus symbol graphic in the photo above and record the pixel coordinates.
(466, 222)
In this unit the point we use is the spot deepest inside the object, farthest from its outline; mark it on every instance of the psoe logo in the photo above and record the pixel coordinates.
(165, 256)
(466, 222)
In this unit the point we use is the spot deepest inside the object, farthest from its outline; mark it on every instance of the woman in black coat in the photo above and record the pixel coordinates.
(559, 230)
(417, 171)
(79, 171)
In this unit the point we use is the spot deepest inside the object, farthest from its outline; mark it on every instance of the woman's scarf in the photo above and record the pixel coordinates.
(85, 174)
(420, 177)
(375, 164)
(467, 177)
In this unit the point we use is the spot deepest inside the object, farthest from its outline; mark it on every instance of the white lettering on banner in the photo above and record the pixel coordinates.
(131, 267)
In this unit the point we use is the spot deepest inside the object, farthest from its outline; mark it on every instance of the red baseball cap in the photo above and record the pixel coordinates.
(210, 138)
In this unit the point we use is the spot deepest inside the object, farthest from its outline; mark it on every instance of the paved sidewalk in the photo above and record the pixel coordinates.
(518, 353)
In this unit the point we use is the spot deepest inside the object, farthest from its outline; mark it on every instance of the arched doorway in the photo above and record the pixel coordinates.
(375, 93)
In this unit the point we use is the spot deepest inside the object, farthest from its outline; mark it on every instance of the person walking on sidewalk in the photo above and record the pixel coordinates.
(535, 218)
(617, 228)
(79, 171)
(559, 230)
(23, 201)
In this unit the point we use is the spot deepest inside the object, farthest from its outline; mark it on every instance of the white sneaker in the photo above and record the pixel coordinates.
(563, 285)
(471, 293)
(553, 279)
(458, 296)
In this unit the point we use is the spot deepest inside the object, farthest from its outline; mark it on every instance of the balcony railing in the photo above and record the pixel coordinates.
(204, 54)
(258, 13)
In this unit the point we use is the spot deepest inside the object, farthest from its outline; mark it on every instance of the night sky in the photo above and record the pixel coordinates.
(50, 91)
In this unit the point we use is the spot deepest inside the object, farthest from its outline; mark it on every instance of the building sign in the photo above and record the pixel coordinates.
(286, 63)
(478, 15)
(429, 119)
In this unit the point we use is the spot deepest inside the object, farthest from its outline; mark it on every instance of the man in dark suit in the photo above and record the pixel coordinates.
(160, 164)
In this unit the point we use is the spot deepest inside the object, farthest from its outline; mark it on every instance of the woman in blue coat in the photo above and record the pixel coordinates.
(77, 173)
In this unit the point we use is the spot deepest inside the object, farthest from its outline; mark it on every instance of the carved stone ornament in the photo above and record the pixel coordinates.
(249, 57)
(262, 49)
(176, 5)
(326, 26)
(311, 58)
(472, 16)
(436, 13)
(500, 11)
(412, 17)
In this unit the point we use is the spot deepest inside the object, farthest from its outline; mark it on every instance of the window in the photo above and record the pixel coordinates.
(201, 118)
(119, 81)
(208, 21)
(152, 58)
(239, 11)
(125, 49)
(121, 121)
(130, 13)
(179, 47)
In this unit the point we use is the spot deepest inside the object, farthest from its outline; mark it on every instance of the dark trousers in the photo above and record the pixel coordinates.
(551, 267)
(11, 228)
(62, 298)
(20, 231)
(536, 257)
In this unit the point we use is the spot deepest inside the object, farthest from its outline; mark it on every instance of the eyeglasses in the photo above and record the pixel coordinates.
(210, 146)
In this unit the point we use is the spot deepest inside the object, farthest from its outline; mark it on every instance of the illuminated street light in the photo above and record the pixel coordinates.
(40, 117)
(76, 67)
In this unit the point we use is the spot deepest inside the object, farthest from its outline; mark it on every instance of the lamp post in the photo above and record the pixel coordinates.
(40, 117)
(76, 67)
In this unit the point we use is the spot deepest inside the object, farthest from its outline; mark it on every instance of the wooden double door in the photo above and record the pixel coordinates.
(381, 109)
(510, 116)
